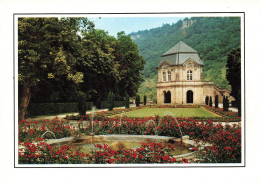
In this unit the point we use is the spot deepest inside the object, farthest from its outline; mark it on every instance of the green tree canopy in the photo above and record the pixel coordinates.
(233, 75)
(47, 52)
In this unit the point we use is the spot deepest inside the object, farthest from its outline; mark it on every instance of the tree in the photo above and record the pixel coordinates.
(207, 100)
(216, 101)
(47, 50)
(111, 101)
(98, 64)
(137, 100)
(127, 101)
(130, 64)
(227, 104)
(233, 75)
(224, 103)
(82, 103)
(210, 101)
(145, 100)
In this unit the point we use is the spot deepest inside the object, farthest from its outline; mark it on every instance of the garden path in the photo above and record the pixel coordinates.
(230, 108)
(51, 117)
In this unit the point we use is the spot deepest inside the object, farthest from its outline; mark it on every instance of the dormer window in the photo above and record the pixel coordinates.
(169, 76)
(189, 75)
(164, 76)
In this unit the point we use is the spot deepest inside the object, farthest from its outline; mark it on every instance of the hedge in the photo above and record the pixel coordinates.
(35, 109)
(105, 104)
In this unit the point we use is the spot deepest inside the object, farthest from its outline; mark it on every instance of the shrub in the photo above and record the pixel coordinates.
(210, 101)
(225, 107)
(137, 100)
(35, 109)
(216, 101)
(111, 101)
(207, 100)
(82, 107)
(227, 103)
(127, 101)
(145, 100)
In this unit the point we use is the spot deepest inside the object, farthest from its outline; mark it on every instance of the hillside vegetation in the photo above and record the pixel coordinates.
(212, 37)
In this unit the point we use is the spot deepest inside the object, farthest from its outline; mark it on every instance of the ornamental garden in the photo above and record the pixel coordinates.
(66, 66)
(132, 136)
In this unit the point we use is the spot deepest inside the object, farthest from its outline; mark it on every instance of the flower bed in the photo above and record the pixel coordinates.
(226, 114)
(225, 148)
(149, 152)
(175, 106)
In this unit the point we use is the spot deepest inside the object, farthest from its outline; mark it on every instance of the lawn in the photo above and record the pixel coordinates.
(176, 112)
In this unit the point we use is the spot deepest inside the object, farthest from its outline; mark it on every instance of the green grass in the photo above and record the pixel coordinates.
(176, 112)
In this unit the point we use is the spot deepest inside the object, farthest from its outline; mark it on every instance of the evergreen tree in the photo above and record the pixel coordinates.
(216, 101)
(127, 101)
(137, 100)
(224, 103)
(111, 101)
(82, 107)
(210, 101)
(227, 104)
(145, 100)
(207, 100)
(233, 75)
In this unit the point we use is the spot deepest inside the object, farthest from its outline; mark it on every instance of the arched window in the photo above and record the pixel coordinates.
(164, 76)
(189, 75)
(169, 76)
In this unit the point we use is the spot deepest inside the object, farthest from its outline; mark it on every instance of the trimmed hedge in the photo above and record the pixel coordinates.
(35, 109)
(105, 104)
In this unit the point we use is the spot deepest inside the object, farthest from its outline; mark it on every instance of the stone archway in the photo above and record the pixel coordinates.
(189, 97)
(167, 97)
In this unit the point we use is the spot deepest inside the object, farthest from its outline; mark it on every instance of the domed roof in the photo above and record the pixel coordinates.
(181, 47)
(180, 53)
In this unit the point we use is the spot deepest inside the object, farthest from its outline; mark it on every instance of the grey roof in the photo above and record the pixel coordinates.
(181, 47)
(178, 54)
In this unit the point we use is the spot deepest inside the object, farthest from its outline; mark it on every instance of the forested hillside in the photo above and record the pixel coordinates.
(212, 37)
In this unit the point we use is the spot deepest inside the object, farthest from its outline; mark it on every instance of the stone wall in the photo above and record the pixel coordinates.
(179, 92)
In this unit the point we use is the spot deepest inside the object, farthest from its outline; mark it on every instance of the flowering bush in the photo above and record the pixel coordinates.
(225, 141)
(226, 114)
(175, 106)
(29, 130)
(43, 153)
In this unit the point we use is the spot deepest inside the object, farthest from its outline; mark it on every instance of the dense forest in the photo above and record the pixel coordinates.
(212, 37)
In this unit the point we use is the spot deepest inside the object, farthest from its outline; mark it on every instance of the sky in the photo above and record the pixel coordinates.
(113, 25)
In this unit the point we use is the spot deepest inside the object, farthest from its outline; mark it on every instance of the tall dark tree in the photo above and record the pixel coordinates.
(137, 100)
(216, 101)
(82, 107)
(210, 101)
(145, 100)
(127, 101)
(233, 75)
(224, 103)
(207, 100)
(111, 101)
(227, 104)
